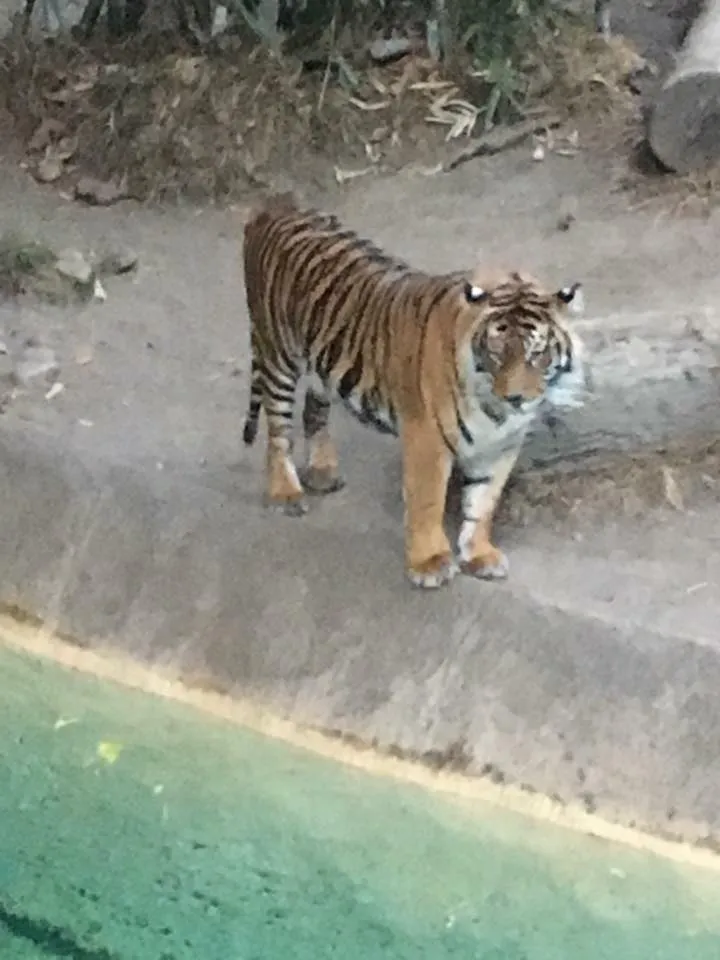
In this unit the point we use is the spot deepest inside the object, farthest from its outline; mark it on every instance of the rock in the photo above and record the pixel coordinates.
(100, 193)
(117, 262)
(73, 265)
(49, 169)
(383, 51)
(55, 390)
(220, 20)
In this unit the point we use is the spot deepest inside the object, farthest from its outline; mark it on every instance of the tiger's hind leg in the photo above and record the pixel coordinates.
(284, 490)
(322, 472)
(479, 557)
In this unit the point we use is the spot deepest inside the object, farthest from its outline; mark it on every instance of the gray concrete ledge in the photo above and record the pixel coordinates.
(313, 619)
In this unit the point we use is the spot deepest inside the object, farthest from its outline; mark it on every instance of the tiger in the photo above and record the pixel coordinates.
(457, 365)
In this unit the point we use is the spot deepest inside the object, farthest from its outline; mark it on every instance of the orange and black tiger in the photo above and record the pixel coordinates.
(457, 364)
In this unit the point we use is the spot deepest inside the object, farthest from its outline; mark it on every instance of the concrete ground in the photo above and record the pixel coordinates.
(133, 520)
(132, 829)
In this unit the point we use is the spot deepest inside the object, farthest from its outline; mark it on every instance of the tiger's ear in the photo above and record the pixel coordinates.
(474, 294)
(572, 299)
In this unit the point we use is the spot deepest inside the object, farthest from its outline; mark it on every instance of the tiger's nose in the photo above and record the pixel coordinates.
(515, 400)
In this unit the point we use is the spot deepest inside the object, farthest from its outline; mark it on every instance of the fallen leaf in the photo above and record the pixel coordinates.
(342, 176)
(64, 722)
(672, 491)
(55, 390)
(108, 751)
(368, 105)
(84, 354)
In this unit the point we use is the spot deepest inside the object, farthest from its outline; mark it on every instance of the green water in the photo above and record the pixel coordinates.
(136, 829)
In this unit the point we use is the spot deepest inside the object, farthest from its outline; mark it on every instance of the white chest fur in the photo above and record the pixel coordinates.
(487, 439)
(492, 428)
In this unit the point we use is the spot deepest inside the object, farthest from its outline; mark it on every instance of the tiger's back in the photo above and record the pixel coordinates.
(325, 301)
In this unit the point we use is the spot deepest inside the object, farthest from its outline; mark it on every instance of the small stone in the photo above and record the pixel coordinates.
(117, 262)
(220, 20)
(49, 169)
(56, 389)
(73, 265)
(392, 48)
(100, 193)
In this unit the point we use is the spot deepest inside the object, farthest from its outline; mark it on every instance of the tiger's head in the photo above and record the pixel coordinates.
(523, 351)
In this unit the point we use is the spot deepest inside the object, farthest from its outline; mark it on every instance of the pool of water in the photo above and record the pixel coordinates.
(135, 828)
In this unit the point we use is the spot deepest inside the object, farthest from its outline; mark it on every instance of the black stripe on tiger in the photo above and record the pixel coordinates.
(321, 294)
(456, 365)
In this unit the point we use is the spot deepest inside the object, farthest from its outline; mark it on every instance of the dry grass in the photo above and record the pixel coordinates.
(585, 74)
(621, 485)
(649, 186)
(164, 123)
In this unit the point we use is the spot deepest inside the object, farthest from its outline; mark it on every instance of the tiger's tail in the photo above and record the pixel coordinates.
(252, 420)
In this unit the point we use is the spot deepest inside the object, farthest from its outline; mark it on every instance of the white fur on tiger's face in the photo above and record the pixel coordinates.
(525, 353)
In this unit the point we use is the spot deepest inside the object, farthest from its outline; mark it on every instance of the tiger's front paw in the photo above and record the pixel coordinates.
(433, 573)
(488, 564)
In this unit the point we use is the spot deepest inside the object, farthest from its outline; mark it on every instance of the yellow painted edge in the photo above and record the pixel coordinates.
(121, 669)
